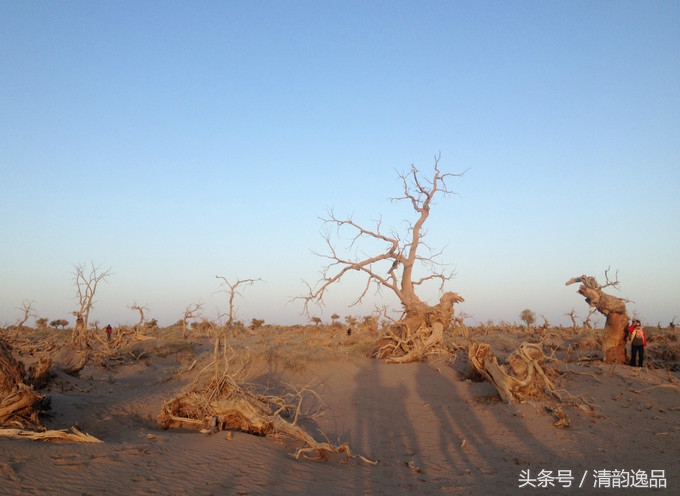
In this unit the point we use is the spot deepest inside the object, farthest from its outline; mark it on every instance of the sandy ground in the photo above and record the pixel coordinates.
(432, 432)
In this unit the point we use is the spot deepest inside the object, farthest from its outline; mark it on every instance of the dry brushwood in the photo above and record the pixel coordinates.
(220, 403)
(521, 377)
(19, 404)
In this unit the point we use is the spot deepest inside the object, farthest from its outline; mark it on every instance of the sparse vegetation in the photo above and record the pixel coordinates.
(528, 317)
(59, 323)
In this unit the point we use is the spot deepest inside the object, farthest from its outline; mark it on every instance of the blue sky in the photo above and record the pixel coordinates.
(177, 141)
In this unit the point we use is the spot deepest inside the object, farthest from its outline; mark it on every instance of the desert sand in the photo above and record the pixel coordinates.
(429, 429)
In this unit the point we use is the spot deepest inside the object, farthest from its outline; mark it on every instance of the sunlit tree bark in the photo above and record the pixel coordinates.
(613, 308)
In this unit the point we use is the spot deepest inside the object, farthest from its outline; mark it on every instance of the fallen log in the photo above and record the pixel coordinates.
(522, 377)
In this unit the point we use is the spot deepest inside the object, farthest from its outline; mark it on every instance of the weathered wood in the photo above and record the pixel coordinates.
(523, 376)
(17, 400)
(40, 372)
(53, 435)
(614, 310)
(420, 332)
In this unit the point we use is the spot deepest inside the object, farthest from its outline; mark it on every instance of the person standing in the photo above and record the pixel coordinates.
(109, 330)
(638, 343)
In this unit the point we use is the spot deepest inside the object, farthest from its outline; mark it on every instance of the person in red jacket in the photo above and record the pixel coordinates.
(638, 343)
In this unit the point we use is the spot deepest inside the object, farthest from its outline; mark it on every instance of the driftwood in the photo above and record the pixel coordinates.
(220, 403)
(522, 377)
(53, 435)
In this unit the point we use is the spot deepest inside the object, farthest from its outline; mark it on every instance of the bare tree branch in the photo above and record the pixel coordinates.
(28, 312)
(402, 255)
(141, 310)
(389, 261)
(231, 290)
(86, 287)
(193, 311)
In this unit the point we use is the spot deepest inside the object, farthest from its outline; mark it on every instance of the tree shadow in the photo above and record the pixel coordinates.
(482, 441)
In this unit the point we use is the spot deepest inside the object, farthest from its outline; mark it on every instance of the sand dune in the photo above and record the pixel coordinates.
(430, 430)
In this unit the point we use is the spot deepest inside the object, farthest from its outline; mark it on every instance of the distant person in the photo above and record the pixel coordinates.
(349, 331)
(108, 332)
(638, 343)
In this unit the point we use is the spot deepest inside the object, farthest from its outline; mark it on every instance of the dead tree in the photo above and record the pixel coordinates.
(193, 311)
(421, 325)
(86, 287)
(141, 309)
(27, 308)
(613, 308)
(231, 290)
(572, 315)
(586, 325)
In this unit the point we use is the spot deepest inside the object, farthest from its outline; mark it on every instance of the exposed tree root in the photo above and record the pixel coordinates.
(420, 333)
(522, 377)
(222, 404)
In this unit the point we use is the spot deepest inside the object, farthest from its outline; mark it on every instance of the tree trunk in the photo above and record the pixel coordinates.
(419, 332)
(79, 337)
(614, 309)
(614, 340)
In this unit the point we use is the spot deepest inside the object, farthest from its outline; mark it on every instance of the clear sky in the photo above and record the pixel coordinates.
(176, 141)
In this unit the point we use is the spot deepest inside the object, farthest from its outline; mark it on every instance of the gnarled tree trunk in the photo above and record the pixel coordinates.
(420, 331)
(614, 309)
